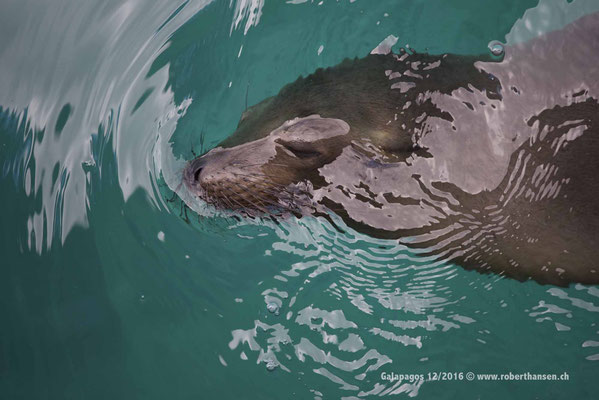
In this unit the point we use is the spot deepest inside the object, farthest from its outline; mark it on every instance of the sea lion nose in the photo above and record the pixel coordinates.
(193, 172)
(196, 175)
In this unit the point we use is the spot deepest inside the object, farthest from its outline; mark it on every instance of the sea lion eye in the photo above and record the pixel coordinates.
(300, 149)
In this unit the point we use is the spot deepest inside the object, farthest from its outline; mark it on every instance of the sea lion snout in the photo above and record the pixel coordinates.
(232, 178)
(262, 175)
(205, 171)
(202, 172)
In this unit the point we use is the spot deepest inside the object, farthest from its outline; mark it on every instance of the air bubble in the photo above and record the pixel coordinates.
(271, 365)
(273, 307)
(496, 47)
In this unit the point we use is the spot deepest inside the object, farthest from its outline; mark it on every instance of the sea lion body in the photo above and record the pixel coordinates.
(492, 165)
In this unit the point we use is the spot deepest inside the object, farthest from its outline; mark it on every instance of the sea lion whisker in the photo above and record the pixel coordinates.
(275, 194)
(305, 203)
(226, 200)
(266, 199)
(245, 208)
(288, 195)
(211, 197)
(256, 176)
(172, 198)
(269, 184)
(241, 208)
(262, 164)
(265, 185)
(285, 194)
(231, 190)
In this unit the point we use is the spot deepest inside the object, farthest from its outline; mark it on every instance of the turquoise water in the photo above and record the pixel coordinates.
(108, 292)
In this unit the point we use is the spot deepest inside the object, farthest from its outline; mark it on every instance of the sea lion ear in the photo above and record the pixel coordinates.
(260, 107)
(244, 115)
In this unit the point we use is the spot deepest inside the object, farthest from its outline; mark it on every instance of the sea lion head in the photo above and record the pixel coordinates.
(270, 174)
(271, 162)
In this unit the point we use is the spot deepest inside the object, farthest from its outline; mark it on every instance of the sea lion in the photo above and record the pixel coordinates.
(490, 164)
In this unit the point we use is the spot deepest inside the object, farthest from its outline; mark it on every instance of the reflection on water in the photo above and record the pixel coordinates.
(353, 304)
(101, 103)
(72, 90)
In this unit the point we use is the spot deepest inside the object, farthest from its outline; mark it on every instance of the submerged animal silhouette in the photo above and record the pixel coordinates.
(491, 164)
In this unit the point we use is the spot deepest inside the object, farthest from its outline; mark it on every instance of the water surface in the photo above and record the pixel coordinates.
(109, 292)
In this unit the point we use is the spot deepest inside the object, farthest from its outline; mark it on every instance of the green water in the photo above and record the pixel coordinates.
(106, 290)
